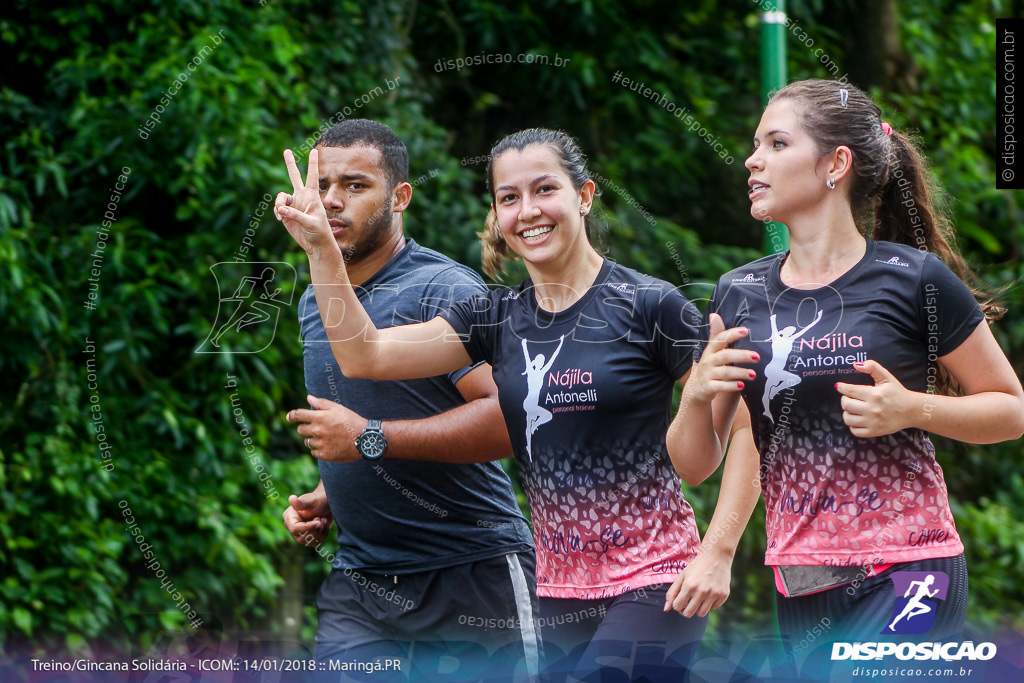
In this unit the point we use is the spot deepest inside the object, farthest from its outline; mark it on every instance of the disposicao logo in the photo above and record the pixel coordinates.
(917, 599)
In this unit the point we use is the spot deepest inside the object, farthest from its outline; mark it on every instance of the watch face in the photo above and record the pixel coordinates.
(372, 445)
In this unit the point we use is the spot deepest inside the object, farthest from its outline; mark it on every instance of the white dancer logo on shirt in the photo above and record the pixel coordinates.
(776, 377)
(535, 370)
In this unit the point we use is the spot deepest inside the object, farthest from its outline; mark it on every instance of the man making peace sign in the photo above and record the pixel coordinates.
(433, 558)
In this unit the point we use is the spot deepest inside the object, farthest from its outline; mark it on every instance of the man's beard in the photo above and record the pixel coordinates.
(374, 233)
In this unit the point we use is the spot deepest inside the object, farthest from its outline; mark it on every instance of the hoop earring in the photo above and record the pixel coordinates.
(830, 184)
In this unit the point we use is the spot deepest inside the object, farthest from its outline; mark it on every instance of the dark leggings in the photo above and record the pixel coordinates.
(862, 612)
(625, 638)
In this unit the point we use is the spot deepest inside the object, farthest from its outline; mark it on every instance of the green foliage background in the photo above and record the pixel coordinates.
(80, 82)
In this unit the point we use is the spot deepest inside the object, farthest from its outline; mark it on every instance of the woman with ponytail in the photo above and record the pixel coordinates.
(838, 348)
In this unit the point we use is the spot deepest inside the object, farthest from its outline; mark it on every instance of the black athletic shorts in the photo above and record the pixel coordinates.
(467, 622)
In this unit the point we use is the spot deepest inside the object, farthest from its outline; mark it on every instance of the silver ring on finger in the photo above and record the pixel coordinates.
(307, 444)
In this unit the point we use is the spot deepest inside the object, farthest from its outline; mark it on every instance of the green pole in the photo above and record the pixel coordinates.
(773, 77)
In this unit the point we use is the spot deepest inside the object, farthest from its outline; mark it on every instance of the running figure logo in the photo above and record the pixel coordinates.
(914, 612)
(252, 307)
(776, 377)
(535, 371)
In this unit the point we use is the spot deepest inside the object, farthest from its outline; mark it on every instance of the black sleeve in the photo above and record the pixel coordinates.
(705, 328)
(949, 311)
(676, 327)
(475, 321)
(712, 307)
(449, 286)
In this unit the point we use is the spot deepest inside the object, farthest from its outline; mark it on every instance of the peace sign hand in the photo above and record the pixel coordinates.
(302, 211)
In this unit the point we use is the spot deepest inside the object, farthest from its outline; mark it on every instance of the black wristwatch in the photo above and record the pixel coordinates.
(371, 444)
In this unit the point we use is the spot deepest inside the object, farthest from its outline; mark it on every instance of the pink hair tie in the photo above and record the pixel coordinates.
(886, 128)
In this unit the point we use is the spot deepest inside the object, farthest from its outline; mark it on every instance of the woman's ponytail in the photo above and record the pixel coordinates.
(905, 213)
(493, 247)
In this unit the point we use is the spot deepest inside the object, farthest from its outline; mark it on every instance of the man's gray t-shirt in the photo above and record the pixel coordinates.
(399, 516)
